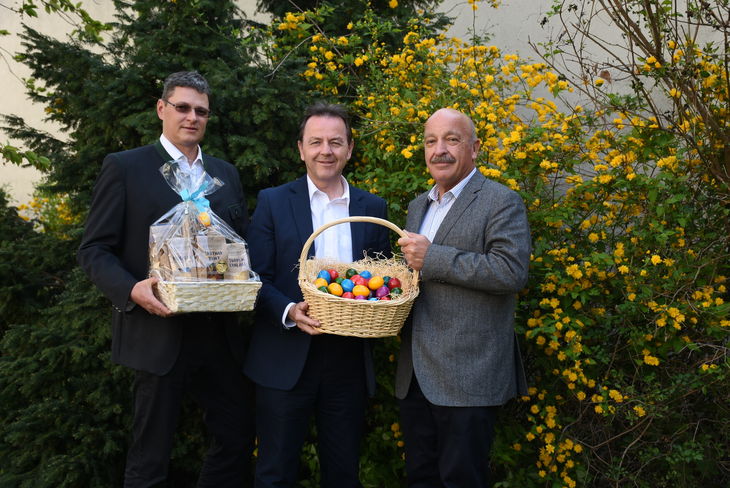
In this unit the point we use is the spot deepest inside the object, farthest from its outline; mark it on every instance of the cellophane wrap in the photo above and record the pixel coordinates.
(190, 242)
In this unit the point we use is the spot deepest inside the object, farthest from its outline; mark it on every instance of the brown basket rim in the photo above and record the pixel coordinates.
(344, 220)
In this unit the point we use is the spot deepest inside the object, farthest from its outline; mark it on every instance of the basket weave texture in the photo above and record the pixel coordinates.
(208, 296)
(357, 318)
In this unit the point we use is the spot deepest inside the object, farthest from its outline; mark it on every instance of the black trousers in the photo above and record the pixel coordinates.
(445, 447)
(331, 389)
(206, 370)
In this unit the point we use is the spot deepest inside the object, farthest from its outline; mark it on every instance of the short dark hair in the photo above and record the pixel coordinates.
(188, 79)
(322, 109)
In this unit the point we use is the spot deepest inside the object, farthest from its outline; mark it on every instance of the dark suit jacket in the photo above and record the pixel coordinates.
(280, 226)
(460, 340)
(130, 194)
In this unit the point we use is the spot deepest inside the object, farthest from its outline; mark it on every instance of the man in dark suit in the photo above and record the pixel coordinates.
(201, 353)
(459, 360)
(299, 372)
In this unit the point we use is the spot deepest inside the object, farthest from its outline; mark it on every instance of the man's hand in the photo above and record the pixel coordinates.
(298, 314)
(143, 295)
(414, 248)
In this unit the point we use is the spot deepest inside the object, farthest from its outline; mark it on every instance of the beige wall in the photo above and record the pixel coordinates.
(511, 25)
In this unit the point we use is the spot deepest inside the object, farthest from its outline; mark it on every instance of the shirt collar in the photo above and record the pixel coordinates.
(312, 188)
(176, 154)
(455, 191)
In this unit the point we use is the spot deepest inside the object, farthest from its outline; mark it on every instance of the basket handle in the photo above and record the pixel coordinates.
(372, 220)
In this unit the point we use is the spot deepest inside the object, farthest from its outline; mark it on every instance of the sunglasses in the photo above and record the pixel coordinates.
(184, 108)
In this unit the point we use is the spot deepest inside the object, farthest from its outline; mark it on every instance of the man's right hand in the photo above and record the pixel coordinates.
(298, 314)
(143, 295)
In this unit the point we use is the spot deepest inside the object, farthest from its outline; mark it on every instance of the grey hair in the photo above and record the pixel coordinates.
(188, 79)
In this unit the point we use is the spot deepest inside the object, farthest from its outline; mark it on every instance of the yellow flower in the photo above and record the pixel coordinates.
(656, 259)
(393, 3)
(616, 396)
(651, 360)
(406, 153)
(639, 411)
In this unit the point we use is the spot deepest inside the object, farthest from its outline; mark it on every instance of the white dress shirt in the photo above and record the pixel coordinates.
(334, 243)
(438, 209)
(194, 169)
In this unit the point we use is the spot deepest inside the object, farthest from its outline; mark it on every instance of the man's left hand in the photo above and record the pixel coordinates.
(414, 248)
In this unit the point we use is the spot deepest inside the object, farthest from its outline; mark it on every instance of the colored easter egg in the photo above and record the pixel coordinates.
(325, 275)
(360, 290)
(382, 291)
(375, 282)
(321, 282)
(335, 289)
(347, 284)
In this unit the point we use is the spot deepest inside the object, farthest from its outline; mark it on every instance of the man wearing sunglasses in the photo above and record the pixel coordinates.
(172, 356)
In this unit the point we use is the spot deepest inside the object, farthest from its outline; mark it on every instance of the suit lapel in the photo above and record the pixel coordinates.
(357, 231)
(301, 212)
(416, 212)
(462, 203)
(161, 151)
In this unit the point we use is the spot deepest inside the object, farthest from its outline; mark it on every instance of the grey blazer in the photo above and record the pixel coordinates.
(459, 339)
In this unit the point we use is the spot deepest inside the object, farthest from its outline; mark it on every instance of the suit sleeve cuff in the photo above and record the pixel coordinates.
(288, 324)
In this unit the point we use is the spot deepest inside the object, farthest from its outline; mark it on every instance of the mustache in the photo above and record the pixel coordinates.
(446, 158)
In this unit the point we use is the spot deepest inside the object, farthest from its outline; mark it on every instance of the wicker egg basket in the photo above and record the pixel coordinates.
(357, 318)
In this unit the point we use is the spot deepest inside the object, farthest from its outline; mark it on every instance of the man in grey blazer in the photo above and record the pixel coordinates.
(459, 359)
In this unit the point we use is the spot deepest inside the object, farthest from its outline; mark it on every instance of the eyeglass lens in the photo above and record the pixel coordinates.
(184, 108)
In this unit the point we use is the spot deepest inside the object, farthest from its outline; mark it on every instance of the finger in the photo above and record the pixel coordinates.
(308, 329)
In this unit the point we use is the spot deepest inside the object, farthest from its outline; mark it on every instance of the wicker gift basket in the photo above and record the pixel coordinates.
(357, 318)
(208, 296)
(201, 263)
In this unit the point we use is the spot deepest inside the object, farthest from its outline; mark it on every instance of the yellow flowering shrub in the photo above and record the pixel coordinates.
(624, 323)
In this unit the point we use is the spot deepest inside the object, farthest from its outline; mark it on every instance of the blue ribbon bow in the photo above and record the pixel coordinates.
(197, 197)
